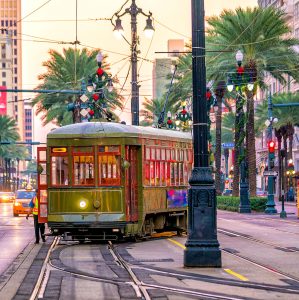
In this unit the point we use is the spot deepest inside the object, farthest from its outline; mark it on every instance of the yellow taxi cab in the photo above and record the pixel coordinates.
(7, 197)
(21, 203)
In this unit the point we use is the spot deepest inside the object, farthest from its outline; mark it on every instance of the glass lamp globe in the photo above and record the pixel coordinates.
(239, 56)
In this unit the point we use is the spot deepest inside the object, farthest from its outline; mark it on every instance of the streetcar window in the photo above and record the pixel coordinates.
(83, 170)
(153, 153)
(168, 154)
(147, 153)
(147, 173)
(59, 170)
(109, 169)
(162, 154)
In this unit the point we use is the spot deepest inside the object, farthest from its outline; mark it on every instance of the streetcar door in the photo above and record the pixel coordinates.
(42, 184)
(132, 183)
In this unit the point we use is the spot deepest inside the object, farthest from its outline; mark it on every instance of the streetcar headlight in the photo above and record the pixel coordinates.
(82, 204)
(17, 204)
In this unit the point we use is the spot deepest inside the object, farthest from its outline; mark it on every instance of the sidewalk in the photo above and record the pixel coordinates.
(290, 208)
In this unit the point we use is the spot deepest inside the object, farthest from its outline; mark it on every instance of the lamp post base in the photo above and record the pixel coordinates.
(270, 205)
(244, 206)
(204, 256)
(283, 214)
(202, 247)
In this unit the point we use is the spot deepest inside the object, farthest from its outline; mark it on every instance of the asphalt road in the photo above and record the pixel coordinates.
(15, 234)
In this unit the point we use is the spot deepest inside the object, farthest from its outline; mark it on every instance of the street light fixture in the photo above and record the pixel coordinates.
(133, 11)
(118, 29)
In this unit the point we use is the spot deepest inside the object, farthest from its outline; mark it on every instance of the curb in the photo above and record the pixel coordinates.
(19, 280)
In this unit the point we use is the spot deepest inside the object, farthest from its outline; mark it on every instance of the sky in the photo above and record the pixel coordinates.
(55, 22)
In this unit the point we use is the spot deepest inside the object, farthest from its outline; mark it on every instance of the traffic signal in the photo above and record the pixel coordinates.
(271, 149)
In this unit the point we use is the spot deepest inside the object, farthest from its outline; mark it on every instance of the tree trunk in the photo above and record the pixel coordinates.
(250, 145)
(236, 179)
(218, 145)
(291, 132)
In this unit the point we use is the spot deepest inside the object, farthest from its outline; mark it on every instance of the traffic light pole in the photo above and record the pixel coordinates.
(270, 205)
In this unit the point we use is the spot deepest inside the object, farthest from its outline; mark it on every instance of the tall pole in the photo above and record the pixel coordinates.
(134, 52)
(202, 246)
(270, 205)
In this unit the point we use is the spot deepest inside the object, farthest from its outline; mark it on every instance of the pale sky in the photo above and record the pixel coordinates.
(173, 21)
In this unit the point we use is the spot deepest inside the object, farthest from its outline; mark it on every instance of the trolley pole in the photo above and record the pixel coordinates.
(202, 246)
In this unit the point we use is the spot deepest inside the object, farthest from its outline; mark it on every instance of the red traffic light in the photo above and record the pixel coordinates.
(271, 146)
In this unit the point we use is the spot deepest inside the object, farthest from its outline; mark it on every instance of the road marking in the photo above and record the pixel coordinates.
(229, 271)
(177, 243)
(239, 276)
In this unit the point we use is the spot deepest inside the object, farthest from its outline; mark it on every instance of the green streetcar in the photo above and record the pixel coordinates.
(108, 181)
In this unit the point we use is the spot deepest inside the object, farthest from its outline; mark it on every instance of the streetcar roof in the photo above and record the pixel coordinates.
(109, 129)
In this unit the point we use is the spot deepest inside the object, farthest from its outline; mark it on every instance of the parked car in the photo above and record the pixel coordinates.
(261, 193)
(21, 203)
(227, 192)
(7, 196)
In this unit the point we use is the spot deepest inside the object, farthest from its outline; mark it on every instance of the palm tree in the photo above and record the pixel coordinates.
(262, 35)
(220, 91)
(152, 110)
(9, 152)
(288, 118)
(66, 71)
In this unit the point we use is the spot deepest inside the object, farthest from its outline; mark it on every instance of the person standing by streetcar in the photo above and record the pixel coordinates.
(39, 228)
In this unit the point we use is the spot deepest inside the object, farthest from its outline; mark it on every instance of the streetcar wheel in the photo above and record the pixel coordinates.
(15, 215)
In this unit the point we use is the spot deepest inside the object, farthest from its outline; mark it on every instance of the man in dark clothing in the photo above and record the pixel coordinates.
(38, 227)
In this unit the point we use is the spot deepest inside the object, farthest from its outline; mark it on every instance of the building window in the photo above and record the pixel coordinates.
(16, 108)
(15, 52)
(16, 98)
(16, 70)
(16, 80)
(3, 83)
(15, 61)
(15, 42)
(3, 65)
(4, 74)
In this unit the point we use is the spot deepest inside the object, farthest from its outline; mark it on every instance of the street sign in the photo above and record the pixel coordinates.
(228, 145)
(270, 173)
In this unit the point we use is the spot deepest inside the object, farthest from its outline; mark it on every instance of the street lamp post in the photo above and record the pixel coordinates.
(202, 246)
(270, 205)
(133, 11)
(240, 80)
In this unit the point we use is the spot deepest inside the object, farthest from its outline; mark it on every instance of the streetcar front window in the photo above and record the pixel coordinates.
(84, 170)
(59, 170)
(109, 165)
(83, 165)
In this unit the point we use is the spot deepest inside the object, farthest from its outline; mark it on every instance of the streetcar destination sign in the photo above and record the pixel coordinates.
(270, 173)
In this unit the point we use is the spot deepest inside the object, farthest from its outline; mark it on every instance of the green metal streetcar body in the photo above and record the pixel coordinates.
(109, 180)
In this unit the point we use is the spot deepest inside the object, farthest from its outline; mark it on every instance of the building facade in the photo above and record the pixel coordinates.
(162, 67)
(11, 60)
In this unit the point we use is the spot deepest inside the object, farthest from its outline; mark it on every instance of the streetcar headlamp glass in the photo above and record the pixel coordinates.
(82, 204)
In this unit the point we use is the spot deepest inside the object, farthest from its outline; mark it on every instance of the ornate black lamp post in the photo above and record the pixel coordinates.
(202, 247)
(133, 11)
(239, 80)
